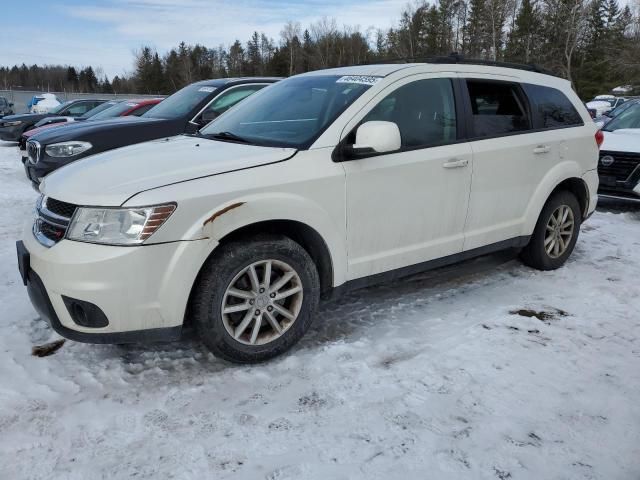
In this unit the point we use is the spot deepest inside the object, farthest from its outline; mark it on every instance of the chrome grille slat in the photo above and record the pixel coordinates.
(50, 226)
(623, 167)
(63, 209)
(33, 151)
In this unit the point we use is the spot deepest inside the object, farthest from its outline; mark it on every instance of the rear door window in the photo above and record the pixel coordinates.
(78, 109)
(228, 99)
(497, 108)
(142, 110)
(551, 107)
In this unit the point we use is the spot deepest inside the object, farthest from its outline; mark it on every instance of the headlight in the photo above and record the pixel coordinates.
(67, 149)
(12, 124)
(117, 226)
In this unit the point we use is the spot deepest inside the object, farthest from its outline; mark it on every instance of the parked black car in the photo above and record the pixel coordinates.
(186, 111)
(61, 121)
(85, 116)
(6, 107)
(12, 126)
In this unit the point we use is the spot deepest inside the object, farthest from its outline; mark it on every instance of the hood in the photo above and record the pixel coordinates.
(53, 118)
(622, 140)
(599, 106)
(110, 178)
(24, 117)
(79, 130)
(35, 131)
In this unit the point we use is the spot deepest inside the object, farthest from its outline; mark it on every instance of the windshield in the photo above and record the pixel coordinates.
(290, 113)
(630, 118)
(115, 111)
(98, 109)
(181, 102)
(619, 109)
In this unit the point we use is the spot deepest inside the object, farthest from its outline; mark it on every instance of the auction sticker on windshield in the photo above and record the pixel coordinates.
(361, 79)
(207, 89)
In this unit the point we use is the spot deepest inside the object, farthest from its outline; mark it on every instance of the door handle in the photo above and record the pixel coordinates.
(453, 163)
(541, 149)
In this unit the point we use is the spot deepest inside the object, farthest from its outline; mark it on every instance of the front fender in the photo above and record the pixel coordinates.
(247, 210)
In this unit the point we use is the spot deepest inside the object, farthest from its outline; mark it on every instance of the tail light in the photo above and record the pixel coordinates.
(599, 138)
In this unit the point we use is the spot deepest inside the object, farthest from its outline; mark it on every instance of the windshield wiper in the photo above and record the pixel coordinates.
(227, 136)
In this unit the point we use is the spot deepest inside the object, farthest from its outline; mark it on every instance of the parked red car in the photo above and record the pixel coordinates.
(124, 108)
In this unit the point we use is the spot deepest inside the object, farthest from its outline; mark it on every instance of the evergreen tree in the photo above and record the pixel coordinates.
(236, 59)
(106, 86)
(254, 60)
(72, 78)
(524, 41)
(477, 45)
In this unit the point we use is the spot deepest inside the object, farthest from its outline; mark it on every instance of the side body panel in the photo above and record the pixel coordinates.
(514, 175)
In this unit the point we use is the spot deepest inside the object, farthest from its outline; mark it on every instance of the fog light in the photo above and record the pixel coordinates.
(85, 314)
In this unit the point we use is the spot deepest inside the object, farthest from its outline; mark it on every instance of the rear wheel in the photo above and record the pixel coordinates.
(255, 299)
(555, 234)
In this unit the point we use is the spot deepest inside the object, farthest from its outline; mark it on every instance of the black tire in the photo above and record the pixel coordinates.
(218, 273)
(534, 254)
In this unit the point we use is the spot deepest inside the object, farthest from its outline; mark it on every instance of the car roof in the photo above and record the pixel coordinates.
(142, 100)
(219, 82)
(384, 70)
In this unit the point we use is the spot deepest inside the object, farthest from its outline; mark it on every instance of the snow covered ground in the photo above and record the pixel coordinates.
(444, 376)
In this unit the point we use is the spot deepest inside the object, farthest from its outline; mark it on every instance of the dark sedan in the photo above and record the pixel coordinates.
(186, 111)
(6, 107)
(12, 126)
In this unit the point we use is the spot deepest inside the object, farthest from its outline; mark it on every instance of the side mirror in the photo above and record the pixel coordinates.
(208, 116)
(11, 104)
(377, 136)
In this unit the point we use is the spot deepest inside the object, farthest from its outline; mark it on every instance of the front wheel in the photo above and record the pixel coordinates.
(555, 234)
(255, 299)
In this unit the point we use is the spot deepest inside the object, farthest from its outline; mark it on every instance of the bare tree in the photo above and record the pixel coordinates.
(575, 23)
(324, 33)
(290, 35)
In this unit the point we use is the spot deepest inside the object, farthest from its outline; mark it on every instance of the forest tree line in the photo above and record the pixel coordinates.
(593, 43)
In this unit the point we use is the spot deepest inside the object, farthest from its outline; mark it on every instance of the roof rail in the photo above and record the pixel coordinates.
(456, 58)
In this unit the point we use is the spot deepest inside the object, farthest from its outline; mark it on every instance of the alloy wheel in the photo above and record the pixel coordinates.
(262, 302)
(559, 231)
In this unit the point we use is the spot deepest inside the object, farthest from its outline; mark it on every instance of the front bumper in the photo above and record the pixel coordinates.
(45, 165)
(631, 194)
(142, 291)
(31, 174)
(11, 134)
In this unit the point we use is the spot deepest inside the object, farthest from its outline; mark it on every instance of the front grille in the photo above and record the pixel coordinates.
(52, 232)
(622, 167)
(58, 207)
(33, 151)
(52, 220)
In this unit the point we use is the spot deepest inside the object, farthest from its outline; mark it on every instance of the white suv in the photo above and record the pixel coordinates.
(323, 182)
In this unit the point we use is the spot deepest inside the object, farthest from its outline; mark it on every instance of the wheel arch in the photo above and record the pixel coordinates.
(579, 188)
(307, 237)
(564, 177)
(301, 233)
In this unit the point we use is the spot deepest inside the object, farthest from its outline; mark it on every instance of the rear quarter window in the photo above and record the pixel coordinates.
(551, 107)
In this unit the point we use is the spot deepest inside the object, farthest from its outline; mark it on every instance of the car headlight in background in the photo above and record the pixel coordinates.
(67, 149)
(117, 226)
(11, 124)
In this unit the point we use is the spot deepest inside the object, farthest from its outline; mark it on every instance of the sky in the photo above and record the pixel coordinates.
(106, 33)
